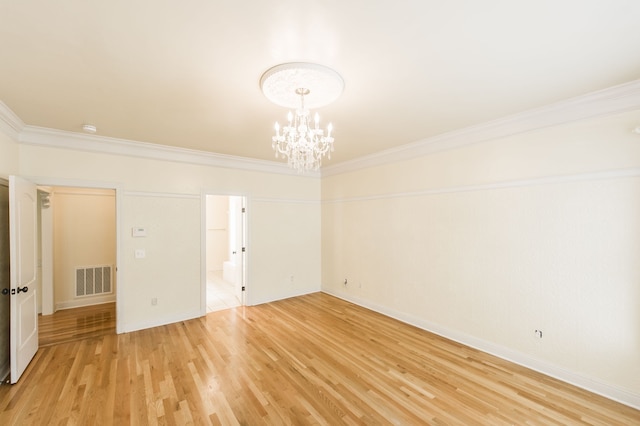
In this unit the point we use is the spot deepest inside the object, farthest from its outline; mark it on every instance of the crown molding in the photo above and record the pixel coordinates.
(40, 136)
(617, 99)
(10, 123)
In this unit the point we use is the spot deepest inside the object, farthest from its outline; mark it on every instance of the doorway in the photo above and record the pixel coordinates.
(5, 320)
(224, 253)
(77, 241)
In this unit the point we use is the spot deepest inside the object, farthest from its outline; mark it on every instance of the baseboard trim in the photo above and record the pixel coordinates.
(615, 393)
(280, 297)
(98, 300)
(170, 319)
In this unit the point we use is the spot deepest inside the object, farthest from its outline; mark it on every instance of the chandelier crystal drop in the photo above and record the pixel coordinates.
(295, 85)
(300, 142)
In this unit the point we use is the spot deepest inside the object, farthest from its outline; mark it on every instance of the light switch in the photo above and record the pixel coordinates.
(140, 253)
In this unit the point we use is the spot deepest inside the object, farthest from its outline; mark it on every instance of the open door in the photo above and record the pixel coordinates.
(23, 204)
(239, 210)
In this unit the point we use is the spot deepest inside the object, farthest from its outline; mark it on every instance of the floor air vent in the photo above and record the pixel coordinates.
(93, 280)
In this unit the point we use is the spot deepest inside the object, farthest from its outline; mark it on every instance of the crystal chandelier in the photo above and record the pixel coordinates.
(302, 142)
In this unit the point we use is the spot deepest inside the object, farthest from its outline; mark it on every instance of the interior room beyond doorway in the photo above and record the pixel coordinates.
(224, 260)
(82, 283)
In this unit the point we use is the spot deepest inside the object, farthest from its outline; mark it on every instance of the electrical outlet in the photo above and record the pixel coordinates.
(154, 301)
(291, 278)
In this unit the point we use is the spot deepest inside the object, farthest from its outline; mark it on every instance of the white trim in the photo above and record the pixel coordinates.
(279, 297)
(285, 200)
(73, 183)
(203, 246)
(547, 180)
(617, 99)
(615, 393)
(159, 195)
(86, 301)
(118, 273)
(203, 253)
(93, 192)
(10, 123)
(40, 136)
(46, 253)
(157, 322)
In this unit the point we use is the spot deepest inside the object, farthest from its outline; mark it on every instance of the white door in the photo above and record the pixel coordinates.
(23, 204)
(240, 213)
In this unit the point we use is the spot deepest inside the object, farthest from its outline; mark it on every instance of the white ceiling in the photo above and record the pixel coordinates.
(186, 72)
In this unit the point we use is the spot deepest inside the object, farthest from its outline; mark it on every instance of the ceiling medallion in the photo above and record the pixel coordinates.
(301, 85)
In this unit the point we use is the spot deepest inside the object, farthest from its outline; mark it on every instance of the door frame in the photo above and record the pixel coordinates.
(45, 225)
(77, 183)
(203, 246)
(5, 367)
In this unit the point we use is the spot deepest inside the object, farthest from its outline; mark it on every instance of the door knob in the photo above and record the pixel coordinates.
(5, 291)
(24, 289)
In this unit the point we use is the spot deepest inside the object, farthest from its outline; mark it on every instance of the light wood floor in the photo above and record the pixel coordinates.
(308, 360)
(77, 324)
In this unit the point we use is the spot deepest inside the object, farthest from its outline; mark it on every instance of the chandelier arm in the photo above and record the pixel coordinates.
(300, 143)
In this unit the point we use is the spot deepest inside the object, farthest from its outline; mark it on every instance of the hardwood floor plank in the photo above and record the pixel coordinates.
(313, 359)
(75, 324)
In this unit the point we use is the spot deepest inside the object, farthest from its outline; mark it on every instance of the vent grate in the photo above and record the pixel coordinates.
(92, 280)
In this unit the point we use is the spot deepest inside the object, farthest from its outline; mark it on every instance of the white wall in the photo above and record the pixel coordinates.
(217, 231)
(170, 272)
(165, 198)
(9, 155)
(487, 243)
(284, 241)
(84, 223)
